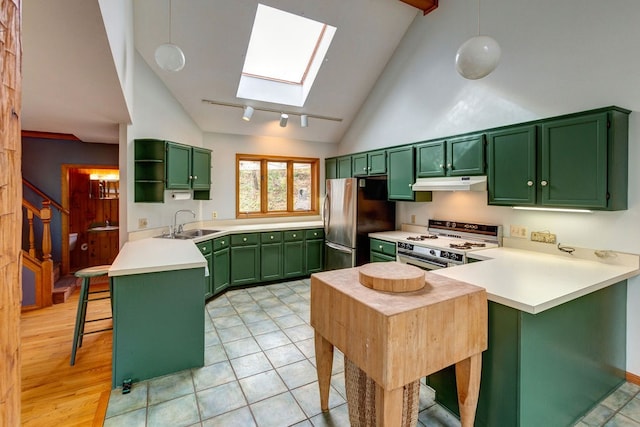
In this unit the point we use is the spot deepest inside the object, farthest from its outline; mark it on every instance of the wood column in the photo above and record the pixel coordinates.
(10, 210)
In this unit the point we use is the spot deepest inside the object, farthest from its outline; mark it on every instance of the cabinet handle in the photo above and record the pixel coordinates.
(244, 239)
(544, 183)
(441, 166)
(195, 177)
(380, 247)
(449, 165)
(222, 242)
(530, 183)
(410, 185)
(294, 235)
(315, 233)
(190, 177)
(271, 237)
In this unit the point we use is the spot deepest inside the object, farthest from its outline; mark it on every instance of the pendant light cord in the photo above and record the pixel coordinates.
(478, 17)
(170, 8)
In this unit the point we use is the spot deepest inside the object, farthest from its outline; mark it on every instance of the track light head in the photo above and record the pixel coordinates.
(283, 119)
(304, 120)
(248, 112)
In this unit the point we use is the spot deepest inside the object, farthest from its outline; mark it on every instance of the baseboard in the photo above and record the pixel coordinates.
(633, 378)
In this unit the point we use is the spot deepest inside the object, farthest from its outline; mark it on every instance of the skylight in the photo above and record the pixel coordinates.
(283, 58)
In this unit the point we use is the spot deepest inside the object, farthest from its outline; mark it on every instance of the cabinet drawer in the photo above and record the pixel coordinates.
(205, 247)
(220, 243)
(383, 247)
(272, 237)
(245, 239)
(314, 234)
(293, 235)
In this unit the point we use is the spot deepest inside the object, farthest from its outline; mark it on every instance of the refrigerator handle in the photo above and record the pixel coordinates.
(325, 214)
(338, 247)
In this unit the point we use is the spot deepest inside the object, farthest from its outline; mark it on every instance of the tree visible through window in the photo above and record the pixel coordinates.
(276, 186)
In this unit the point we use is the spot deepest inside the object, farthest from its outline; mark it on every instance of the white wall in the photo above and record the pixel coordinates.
(557, 58)
(223, 175)
(156, 114)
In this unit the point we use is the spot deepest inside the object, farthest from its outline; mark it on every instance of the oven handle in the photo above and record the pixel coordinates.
(409, 258)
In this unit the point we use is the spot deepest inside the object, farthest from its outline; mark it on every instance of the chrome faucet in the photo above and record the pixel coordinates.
(175, 216)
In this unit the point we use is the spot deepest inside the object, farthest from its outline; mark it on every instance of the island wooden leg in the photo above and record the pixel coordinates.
(389, 407)
(468, 385)
(324, 366)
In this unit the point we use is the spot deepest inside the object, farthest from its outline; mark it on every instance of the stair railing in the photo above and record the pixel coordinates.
(44, 289)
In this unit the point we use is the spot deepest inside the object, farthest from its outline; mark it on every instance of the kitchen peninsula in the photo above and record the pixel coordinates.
(557, 331)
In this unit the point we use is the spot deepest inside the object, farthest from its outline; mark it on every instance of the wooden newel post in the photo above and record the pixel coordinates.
(47, 262)
(32, 240)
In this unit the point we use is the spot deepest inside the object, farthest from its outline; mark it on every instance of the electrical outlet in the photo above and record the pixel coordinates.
(518, 231)
(413, 219)
(543, 236)
(142, 223)
(214, 214)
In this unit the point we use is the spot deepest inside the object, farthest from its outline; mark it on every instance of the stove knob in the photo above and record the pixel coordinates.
(432, 252)
(453, 225)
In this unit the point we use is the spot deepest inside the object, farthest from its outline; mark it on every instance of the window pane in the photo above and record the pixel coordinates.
(276, 186)
(249, 191)
(301, 186)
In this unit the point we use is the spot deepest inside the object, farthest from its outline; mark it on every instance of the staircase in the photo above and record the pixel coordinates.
(38, 271)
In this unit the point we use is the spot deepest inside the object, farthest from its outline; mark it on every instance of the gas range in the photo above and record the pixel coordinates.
(446, 243)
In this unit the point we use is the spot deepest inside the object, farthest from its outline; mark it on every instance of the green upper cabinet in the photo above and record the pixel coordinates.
(200, 168)
(512, 166)
(343, 167)
(574, 162)
(371, 163)
(161, 165)
(400, 175)
(430, 158)
(459, 156)
(178, 166)
(465, 155)
(331, 168)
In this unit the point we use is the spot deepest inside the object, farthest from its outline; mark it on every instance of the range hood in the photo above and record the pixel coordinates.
(457, 183)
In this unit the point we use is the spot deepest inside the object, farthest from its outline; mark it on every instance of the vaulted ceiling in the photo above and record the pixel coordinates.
(70, 84)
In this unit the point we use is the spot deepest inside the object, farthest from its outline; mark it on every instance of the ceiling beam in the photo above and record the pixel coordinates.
(425, 6)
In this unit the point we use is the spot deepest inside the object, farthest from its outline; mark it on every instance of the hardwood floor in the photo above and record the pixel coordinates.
(53, 392)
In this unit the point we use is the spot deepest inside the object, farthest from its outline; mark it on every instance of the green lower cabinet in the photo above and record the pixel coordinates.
(381, 250)
(220, 270)
(207, 253)
(314, 251)
(547, 369)
(294, 255)
(245, 259)
(158, 327)
(271, 256)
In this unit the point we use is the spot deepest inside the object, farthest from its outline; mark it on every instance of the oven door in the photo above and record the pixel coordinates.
(423, 262)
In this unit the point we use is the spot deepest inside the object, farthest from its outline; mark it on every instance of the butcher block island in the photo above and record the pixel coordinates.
(397, 338)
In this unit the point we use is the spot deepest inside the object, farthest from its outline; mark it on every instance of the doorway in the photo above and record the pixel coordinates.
(90, 231)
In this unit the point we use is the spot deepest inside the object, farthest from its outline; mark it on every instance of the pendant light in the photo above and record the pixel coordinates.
(168, 56)
(478, 56)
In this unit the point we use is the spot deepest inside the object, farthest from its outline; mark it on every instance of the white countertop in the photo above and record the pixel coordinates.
(154, 255)
(533, 281)
(147, 254)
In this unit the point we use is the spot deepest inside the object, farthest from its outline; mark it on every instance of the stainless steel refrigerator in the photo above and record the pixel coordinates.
(353, 208)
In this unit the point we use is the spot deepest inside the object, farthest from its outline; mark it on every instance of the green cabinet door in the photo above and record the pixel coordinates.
(381, 250)
(465, 155)
(378, 257)
(344, 167)
(359, 164)
(293, 258)
(512, 166)
(430, 157)
(201, 168)
(314, 250)
(245, 259)
(330, 168)
(221, 264)
(400, 175)
(178, 166)
(574, 162)
(207, 253)
(271, 256)
(377, 162)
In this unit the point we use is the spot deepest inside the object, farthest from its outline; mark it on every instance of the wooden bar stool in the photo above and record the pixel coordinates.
(86, 274)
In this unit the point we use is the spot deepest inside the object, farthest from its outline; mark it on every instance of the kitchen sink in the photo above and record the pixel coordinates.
(188, 234)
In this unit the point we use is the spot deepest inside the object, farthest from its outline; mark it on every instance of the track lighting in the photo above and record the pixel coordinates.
(248, 112)
(304, 120)
(284, 117)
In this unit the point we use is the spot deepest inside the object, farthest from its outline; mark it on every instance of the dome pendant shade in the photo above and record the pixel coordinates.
(170, 57)
(477, 57)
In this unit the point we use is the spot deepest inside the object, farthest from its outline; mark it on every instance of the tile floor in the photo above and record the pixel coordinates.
(260, 371)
